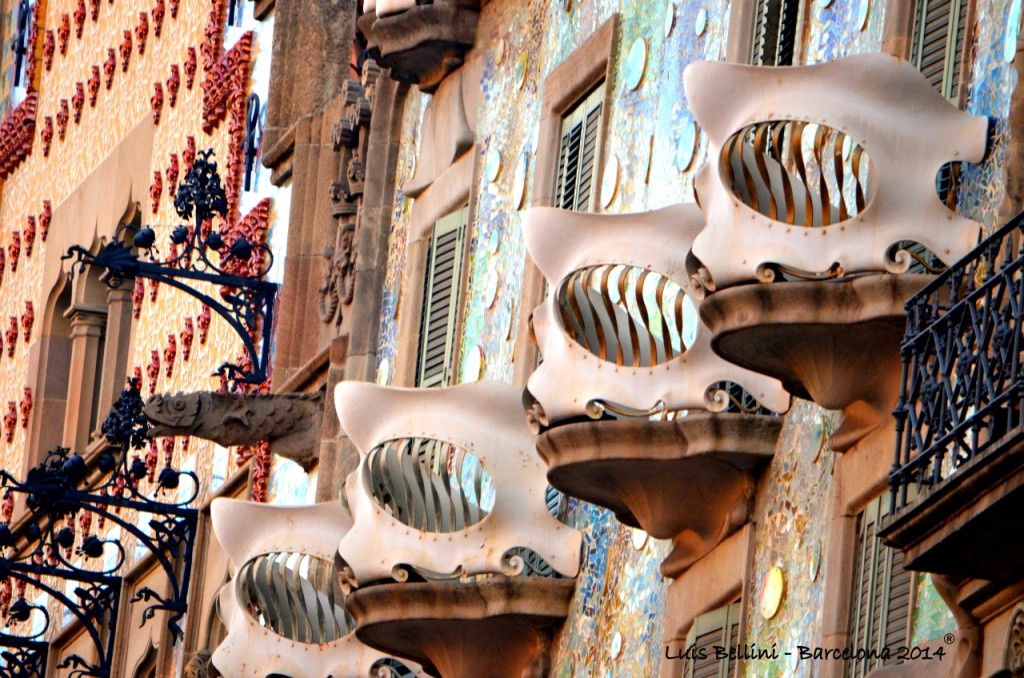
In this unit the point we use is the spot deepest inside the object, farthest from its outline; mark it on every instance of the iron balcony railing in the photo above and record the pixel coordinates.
(962, 369)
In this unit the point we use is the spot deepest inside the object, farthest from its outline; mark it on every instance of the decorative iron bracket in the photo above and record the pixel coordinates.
(41, 549)
(247, 298)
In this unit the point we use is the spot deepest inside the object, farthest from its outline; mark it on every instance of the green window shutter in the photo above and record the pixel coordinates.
(880, 605)
(775, 25)
(578, 153)
(720, 628)
(440, 300)
(938, 43)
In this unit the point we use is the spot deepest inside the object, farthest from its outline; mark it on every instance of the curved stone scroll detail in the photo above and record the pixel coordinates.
(571, 377)
(250, 532)
(883, 105)
(483, 418)
(290, 421)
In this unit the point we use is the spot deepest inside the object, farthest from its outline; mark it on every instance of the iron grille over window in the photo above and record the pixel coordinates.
(774, 32)
(880, 606)
(440, 300)
(578, 152)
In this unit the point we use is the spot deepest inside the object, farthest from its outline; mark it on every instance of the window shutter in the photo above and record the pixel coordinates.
(775, 24)
(440, 300)
(938, 43)
(880, 606)
(578, 152)
(720, 628)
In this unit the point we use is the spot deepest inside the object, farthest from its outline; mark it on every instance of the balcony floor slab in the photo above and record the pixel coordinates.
(689, 480)
(492, 628)
(833, 342)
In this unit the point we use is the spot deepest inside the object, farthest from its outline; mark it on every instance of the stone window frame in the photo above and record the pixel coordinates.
(568, 84)
(717, 580)
(860, 477)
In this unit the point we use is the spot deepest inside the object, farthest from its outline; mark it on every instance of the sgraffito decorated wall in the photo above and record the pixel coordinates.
(119, 86)
(614, 626)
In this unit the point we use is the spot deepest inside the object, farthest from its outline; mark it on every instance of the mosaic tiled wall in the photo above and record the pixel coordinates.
(618, 605)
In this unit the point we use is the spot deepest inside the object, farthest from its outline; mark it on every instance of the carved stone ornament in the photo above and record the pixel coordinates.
(338, 288)
(591, 297)
(868, 104)
(290, 421)
(280, 562)
(421, 43)
(481, 419)
(1014, 661)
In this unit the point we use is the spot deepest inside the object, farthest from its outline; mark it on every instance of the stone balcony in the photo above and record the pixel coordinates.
(823, 219)
(420, 43)
(634, 411)
(452, 544)
(283, 609)
(958, 478)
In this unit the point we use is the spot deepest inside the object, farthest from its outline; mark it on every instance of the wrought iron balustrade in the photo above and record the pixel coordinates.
(962, 365)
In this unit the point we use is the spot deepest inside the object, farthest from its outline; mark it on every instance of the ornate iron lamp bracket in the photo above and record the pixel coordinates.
(246, 297)
(40, 551)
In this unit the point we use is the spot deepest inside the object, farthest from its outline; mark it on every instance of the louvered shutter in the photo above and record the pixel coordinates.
(775, 24)
(720, 628)
(938, 43)
(880, 607)
(440, 300)
(578, 152)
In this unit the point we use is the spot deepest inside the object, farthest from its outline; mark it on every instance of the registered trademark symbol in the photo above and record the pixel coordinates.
(948, 638)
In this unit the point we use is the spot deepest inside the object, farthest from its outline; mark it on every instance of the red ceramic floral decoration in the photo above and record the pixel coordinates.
(156, 189)
(203, 323)
(79, 18)
(172, 176)
(78, 101)
(126, 50)
(26, 407)
(170, 352)
(44, 220)
(187, 337)
(49, 47)
(64, 33)
(158, 18)
(28, 319)
(29, 234)
(173, 85)
(110, 67)
(62, 119)
(14, 250)
(10, 420)
(142, 32)
(156, 102)
(94, 86)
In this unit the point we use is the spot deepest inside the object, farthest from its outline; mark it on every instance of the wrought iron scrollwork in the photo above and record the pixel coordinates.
(246, 300)
(963, 356)
(58, 492)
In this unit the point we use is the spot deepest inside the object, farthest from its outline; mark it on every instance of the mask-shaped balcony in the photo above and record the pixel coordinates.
(420, 42)
(452, 546)
(823, 219)
(958, 478)
(283, 608)
(634, 410)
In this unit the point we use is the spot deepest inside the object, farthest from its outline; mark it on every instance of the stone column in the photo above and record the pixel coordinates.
(117, 347)
(87, 329)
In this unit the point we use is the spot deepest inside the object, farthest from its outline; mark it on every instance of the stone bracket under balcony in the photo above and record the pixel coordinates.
(490, 628)
(424, 43)
(834, 342)
(690, 479)
(965, 526)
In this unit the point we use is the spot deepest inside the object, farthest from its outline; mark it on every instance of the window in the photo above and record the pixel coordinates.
(440, 300)
(578, 151)
(716, 629)
(937, 46)
(774, 41)
(880, 603)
